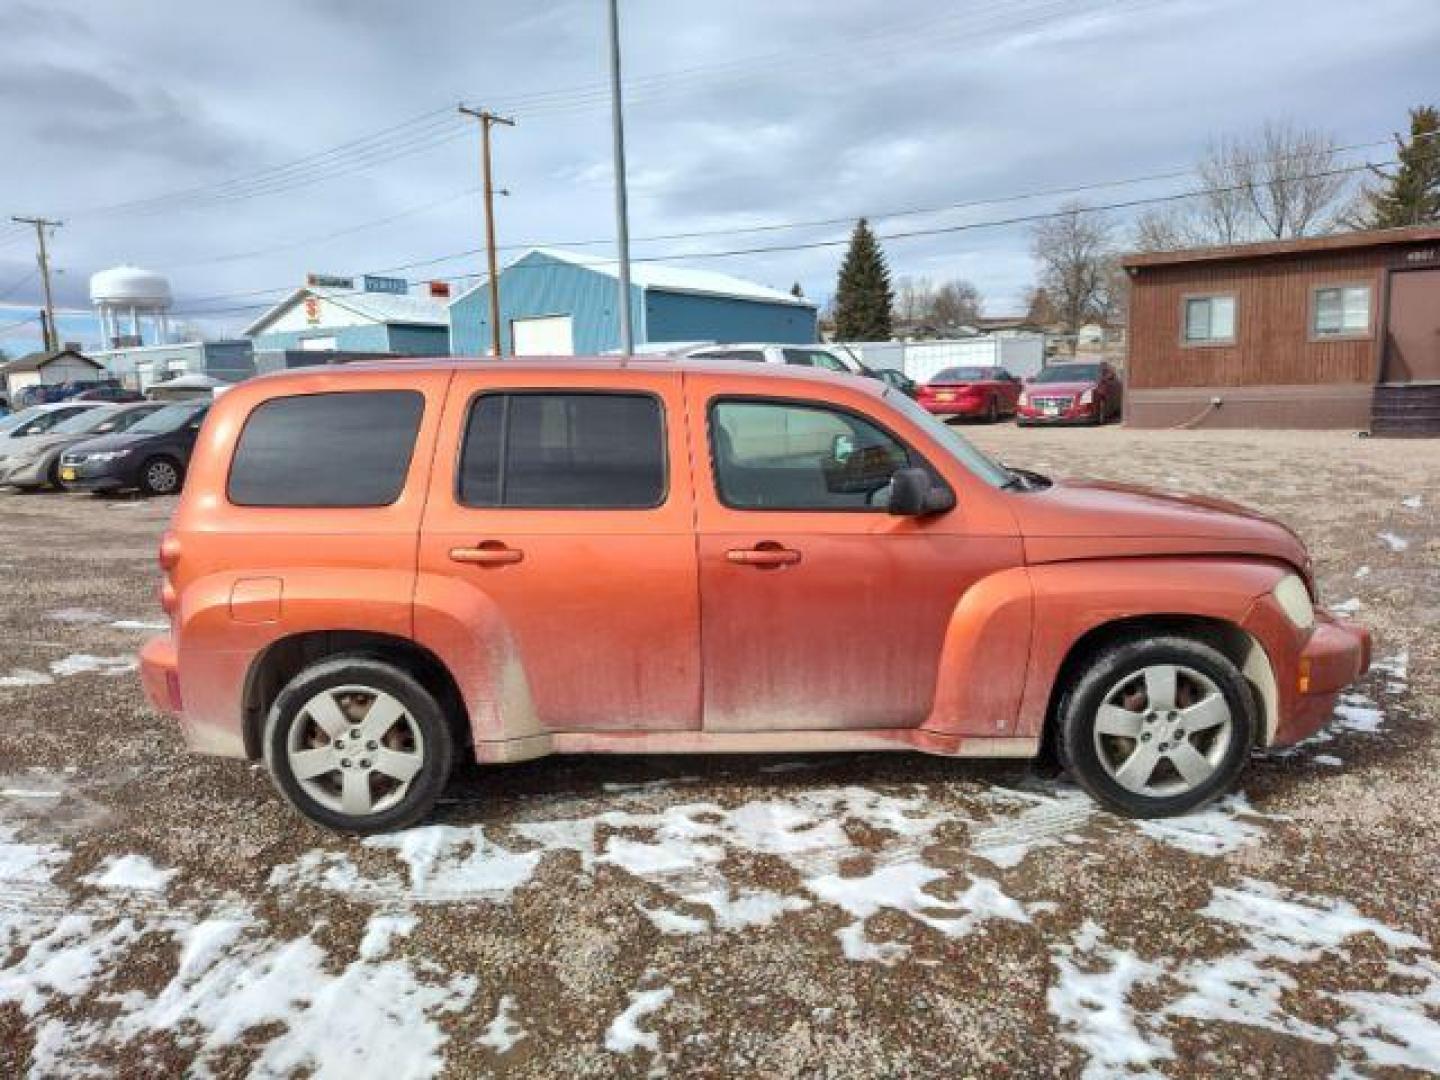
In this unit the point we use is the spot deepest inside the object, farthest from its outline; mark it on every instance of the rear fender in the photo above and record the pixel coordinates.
(467, 631)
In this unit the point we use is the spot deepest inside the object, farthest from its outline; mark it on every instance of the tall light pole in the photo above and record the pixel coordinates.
(622, 211)
(487, 121)
(52, 336)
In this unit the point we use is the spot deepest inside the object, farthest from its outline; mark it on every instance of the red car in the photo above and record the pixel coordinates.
(1073, 393)
(980, 392)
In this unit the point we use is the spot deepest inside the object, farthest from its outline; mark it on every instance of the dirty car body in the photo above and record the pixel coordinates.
(376, 571)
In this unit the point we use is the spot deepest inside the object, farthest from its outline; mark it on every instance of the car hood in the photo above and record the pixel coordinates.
(39, 443)
(1090, 519)
(1058, 389)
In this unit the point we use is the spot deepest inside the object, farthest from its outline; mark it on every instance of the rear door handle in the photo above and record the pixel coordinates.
(763, 555)
(489, 553)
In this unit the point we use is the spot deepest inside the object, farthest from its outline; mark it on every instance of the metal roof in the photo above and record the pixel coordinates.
(663, 278)
(1298, 246)
(378, 306)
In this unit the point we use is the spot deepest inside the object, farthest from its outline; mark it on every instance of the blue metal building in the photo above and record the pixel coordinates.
(557, 303)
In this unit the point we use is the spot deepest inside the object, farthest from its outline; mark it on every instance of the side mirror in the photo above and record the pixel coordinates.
(914, 494)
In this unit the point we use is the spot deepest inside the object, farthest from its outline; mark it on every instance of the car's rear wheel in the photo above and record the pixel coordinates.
(359, 745)
(1154, 727)
(161, 476)
(992, 412)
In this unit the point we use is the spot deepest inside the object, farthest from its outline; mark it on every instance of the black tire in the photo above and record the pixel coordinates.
(1110, 668)
(992, 412)
(436, 745)
(161, 475)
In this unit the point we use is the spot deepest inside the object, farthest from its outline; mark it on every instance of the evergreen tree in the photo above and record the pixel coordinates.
(863, 297)
(1410, 195)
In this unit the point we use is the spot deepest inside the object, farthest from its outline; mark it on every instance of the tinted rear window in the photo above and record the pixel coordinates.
(349, 449)
(570, 451)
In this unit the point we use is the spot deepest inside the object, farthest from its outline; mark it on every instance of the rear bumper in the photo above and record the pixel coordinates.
(958, 407)
(160, 675)
(1336, 655)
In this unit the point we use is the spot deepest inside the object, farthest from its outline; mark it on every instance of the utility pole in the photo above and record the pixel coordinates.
(487, 121)
(622, 210)
(52, 339)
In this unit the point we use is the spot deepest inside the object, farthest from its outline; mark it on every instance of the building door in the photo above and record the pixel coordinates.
(549, 335)
(1413, 340)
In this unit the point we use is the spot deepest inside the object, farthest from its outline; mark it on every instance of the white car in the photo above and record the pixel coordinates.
(37, 420)
(798, 355)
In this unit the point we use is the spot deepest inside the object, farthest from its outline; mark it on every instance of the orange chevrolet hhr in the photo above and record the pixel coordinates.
(378, 570)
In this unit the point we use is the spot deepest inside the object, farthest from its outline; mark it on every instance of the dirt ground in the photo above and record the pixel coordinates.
(830, 915)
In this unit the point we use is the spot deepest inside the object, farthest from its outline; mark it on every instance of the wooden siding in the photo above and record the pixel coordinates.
(1273, 345)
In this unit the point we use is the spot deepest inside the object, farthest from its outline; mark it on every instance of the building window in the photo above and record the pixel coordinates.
(1209, 320)
(1341, 311)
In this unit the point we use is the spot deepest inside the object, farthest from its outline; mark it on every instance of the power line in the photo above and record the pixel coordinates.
(837, 242)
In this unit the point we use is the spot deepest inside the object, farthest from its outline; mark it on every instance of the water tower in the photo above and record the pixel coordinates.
(133, 306)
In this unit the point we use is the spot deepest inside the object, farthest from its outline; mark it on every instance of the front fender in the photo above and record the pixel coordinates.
(1073, 599)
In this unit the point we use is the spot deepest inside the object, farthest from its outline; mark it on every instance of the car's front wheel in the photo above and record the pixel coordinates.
(1158, 726)
(359, 745)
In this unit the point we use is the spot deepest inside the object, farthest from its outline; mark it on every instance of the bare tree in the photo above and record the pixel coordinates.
(1075, 251)
(955, 303)
(913, 299)
(1161, 230)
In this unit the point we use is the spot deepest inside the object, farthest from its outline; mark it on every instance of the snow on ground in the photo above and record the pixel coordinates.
(75, 664)
(1253, 984)
(1394, 542)
(894, 865)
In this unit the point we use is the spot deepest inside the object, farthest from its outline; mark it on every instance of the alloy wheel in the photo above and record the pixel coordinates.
(162, 477)
(355, 750)
(1163, 730)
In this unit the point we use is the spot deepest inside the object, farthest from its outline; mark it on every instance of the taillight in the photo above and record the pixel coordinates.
(169, 551)
(169, 598)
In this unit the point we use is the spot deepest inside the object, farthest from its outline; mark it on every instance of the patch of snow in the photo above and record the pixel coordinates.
(77, 615)
(1356, 712)
(1413, 502)
(83, 663)
(1328, 759)
(674, 922)
(130, 872)
(1219, 829)
(64, 961)
(1363, 572)
(25, 677)
(502, 1032)
(1346, 607)
(139, 624)
(380, 933)
(1394, 542)
(624, 1034)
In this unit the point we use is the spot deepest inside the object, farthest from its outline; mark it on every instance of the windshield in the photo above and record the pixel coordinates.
(962, 374)
(15, 419)
(83, 423)
(1068, 373)
(170, 418)
(992, 472)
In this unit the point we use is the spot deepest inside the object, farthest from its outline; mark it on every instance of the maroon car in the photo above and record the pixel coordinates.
(980, 392)
(1072, 393)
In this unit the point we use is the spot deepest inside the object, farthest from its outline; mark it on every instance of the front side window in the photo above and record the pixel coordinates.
(1210, 319)
(324, 450)
(1341, 311)
(552, 451)
(795, 456)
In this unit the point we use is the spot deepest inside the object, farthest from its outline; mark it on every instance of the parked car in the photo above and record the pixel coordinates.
(113, 392)
(986, 393)
(50, 393)
(20, 427)
(151, 456)
(1071, 393)
(812, 356)
(374, 572)
(34, 463)
(897, 379)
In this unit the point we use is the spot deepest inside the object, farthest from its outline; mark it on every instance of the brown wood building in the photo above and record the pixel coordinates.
(1325, 332)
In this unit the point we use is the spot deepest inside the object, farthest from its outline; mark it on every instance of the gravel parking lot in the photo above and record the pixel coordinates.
(829, 915)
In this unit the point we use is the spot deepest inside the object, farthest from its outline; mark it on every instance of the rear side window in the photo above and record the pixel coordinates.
(564, 451)
(324, 450)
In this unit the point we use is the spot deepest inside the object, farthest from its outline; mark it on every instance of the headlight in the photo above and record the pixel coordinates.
(1087, 397)
(106, 455)
(1294, 599)
(1024, 399)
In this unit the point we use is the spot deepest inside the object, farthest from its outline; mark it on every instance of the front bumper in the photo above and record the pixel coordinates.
(96, 476)
(1075, 414)
(1335, 656)
(30, 473)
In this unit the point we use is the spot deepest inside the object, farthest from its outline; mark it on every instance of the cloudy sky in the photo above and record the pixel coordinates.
(235, 147)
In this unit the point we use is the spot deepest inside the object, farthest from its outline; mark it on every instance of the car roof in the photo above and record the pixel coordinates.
(560, 365)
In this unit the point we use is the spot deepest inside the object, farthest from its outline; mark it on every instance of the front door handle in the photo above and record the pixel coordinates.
(489, 553)
(763, 555)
